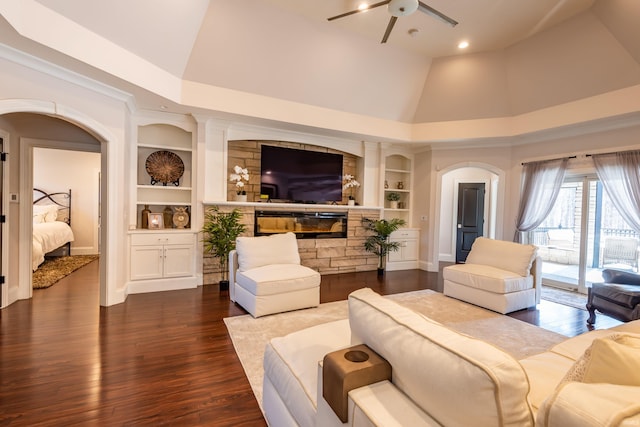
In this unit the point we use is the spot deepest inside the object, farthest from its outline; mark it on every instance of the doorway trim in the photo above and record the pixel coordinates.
(107, 143)
(27, 146)
(496, 201)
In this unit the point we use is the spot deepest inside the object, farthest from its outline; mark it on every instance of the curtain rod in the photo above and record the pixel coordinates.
(612, 152)
(548, 160)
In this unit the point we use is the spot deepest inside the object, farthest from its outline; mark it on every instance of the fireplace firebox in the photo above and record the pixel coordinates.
(305, 225)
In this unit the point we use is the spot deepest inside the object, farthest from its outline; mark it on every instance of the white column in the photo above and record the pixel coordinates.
(370, 171)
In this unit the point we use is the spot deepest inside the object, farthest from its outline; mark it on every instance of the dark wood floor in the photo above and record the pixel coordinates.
(161, 358)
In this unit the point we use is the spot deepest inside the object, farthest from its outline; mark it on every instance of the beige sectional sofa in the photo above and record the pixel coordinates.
(443, 378)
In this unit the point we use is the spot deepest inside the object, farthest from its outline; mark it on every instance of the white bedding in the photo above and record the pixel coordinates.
(48, 236)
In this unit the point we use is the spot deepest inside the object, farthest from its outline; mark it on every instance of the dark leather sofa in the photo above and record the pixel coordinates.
(618, 296)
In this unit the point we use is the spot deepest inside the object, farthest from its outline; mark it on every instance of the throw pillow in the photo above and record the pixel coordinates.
(614, 360)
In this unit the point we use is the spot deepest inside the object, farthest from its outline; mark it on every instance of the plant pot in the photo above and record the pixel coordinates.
(241, 197)
(393, 204)
(224, 285)
(380, 271)
(351, 202)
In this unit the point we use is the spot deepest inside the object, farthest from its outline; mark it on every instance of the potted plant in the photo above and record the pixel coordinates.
(220, 230)
(240, 176)
(350, 184)
(393, 199)
(378, 243)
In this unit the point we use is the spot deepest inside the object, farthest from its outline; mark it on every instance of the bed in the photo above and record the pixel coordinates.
(52, 235)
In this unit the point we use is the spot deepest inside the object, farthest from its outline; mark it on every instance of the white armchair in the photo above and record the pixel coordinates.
(266, 276)
(499, 275)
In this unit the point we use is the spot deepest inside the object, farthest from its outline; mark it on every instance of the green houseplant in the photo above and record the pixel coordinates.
(220, 230)
(393, 199)
(378, 242)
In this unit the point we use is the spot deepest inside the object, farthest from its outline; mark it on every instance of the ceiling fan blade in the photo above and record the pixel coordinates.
(353, 12)
(392, 22)
(436, 14)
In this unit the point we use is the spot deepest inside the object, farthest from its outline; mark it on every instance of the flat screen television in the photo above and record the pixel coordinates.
(300, 176)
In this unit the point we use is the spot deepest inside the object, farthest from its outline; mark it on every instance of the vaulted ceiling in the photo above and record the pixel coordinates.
(283, 61)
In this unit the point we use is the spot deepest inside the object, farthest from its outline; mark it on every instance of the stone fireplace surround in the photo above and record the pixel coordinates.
(325, 255)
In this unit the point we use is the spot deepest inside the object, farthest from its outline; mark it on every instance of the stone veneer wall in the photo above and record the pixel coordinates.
(246, 154)
(327, 256)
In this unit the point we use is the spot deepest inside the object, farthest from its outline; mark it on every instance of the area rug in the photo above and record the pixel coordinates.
(520, 339)
(564, 297)
(54, 269)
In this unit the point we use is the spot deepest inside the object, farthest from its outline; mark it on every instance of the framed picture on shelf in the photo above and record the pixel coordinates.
(155, 221)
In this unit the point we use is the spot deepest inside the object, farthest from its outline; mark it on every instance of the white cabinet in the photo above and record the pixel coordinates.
(162, 255)
(398, 182)
(406, 257)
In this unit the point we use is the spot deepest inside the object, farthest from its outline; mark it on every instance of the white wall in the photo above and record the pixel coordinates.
(26, 87)
(59, 170)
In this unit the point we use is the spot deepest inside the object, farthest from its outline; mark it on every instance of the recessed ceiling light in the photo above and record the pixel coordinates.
(463, 44)
(363, 6)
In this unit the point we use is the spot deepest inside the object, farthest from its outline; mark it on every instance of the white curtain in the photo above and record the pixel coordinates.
(540, 188)
(620, 177)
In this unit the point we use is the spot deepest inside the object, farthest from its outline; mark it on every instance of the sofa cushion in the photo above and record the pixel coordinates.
(487, 278)
(501, 254)
(490, 386)
(545, 371)
(591, 405)
(275, 249)
(291, 365)
(278, 278)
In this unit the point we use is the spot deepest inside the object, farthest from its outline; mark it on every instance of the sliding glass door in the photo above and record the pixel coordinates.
(583, 234)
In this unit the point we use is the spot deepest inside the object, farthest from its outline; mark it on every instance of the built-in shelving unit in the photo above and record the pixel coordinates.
(164, 257)
(398, 178)
(163, 137)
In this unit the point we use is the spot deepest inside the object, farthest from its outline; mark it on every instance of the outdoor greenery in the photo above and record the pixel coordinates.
(378, 243)
(220, 231)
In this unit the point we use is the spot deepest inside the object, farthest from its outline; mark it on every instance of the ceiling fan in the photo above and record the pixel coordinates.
(399, 8)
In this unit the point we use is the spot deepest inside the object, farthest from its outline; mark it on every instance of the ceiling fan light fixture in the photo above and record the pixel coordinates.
(399, 8)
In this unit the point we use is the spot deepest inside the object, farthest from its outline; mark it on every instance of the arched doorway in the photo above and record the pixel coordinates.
(448, 184)
(19, 269)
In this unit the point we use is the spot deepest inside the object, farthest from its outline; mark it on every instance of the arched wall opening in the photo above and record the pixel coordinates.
(16, 264)
(448, 180)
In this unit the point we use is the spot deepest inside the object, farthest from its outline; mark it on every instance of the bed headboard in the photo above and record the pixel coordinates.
(61, 199)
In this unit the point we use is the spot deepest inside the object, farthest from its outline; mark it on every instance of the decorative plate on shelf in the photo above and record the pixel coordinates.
(165, 167)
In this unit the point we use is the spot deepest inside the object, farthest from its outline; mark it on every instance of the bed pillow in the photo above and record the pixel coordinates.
(38, 218)
(49, 212)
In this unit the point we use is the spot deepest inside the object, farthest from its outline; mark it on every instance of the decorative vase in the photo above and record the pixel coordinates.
(241, 197)
(400, 185)
(167, 216)
(224, 285)
(351, 202)
(393, 204)
(144, 217)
